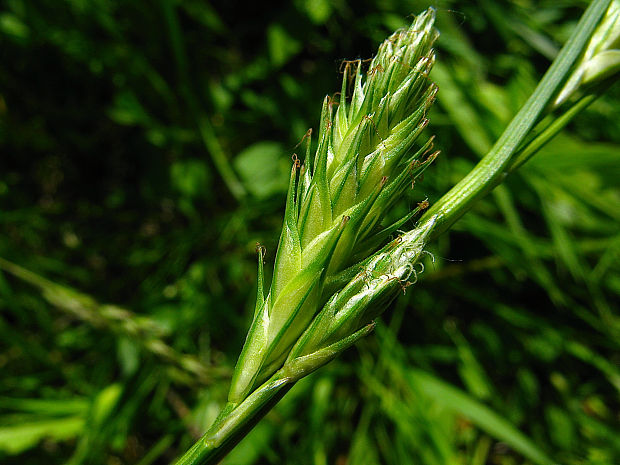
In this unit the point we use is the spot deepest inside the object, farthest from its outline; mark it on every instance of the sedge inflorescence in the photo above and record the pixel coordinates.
(368, 154)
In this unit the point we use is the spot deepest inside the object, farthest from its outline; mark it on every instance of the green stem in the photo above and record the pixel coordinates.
(236, 421)
(522, 156)
(495, 166)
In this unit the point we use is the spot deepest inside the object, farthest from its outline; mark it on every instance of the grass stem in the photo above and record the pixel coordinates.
(494, 167)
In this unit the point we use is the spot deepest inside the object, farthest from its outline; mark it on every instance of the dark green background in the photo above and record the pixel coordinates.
(145, 148)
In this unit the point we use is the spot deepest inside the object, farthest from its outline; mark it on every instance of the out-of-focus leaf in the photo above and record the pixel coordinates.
(191, 177)
(18, 438)
(49, 407)
(105, 402)
(481, 415)
(318, 11)
(561, 427)
(11, 25)
(263, 169)
(282, 47)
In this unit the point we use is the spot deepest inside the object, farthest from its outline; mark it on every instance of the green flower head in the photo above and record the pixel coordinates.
(364, 161)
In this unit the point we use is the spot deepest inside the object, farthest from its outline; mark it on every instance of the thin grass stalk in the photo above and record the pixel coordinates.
(148, 334)
(493, 168)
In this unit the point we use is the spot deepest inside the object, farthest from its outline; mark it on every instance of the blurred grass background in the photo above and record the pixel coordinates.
(145, 151)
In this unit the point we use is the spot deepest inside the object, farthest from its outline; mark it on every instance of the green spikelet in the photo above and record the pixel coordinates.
(601, 58)
(367, 294)
(363, 163)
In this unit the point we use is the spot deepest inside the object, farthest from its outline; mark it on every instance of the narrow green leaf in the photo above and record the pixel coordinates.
(15, 439)
(481, 415)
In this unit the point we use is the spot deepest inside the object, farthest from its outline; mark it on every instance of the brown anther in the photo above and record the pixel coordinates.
(261, 250)
(345, 66)
(430, 147)
(331, 102)
(376, 69)
(307, 135)
(412, 167)
(404, 285)
(296, 160)
(432, 157)
(423, 205)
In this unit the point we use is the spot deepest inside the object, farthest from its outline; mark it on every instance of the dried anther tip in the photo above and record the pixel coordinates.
(296, 160)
